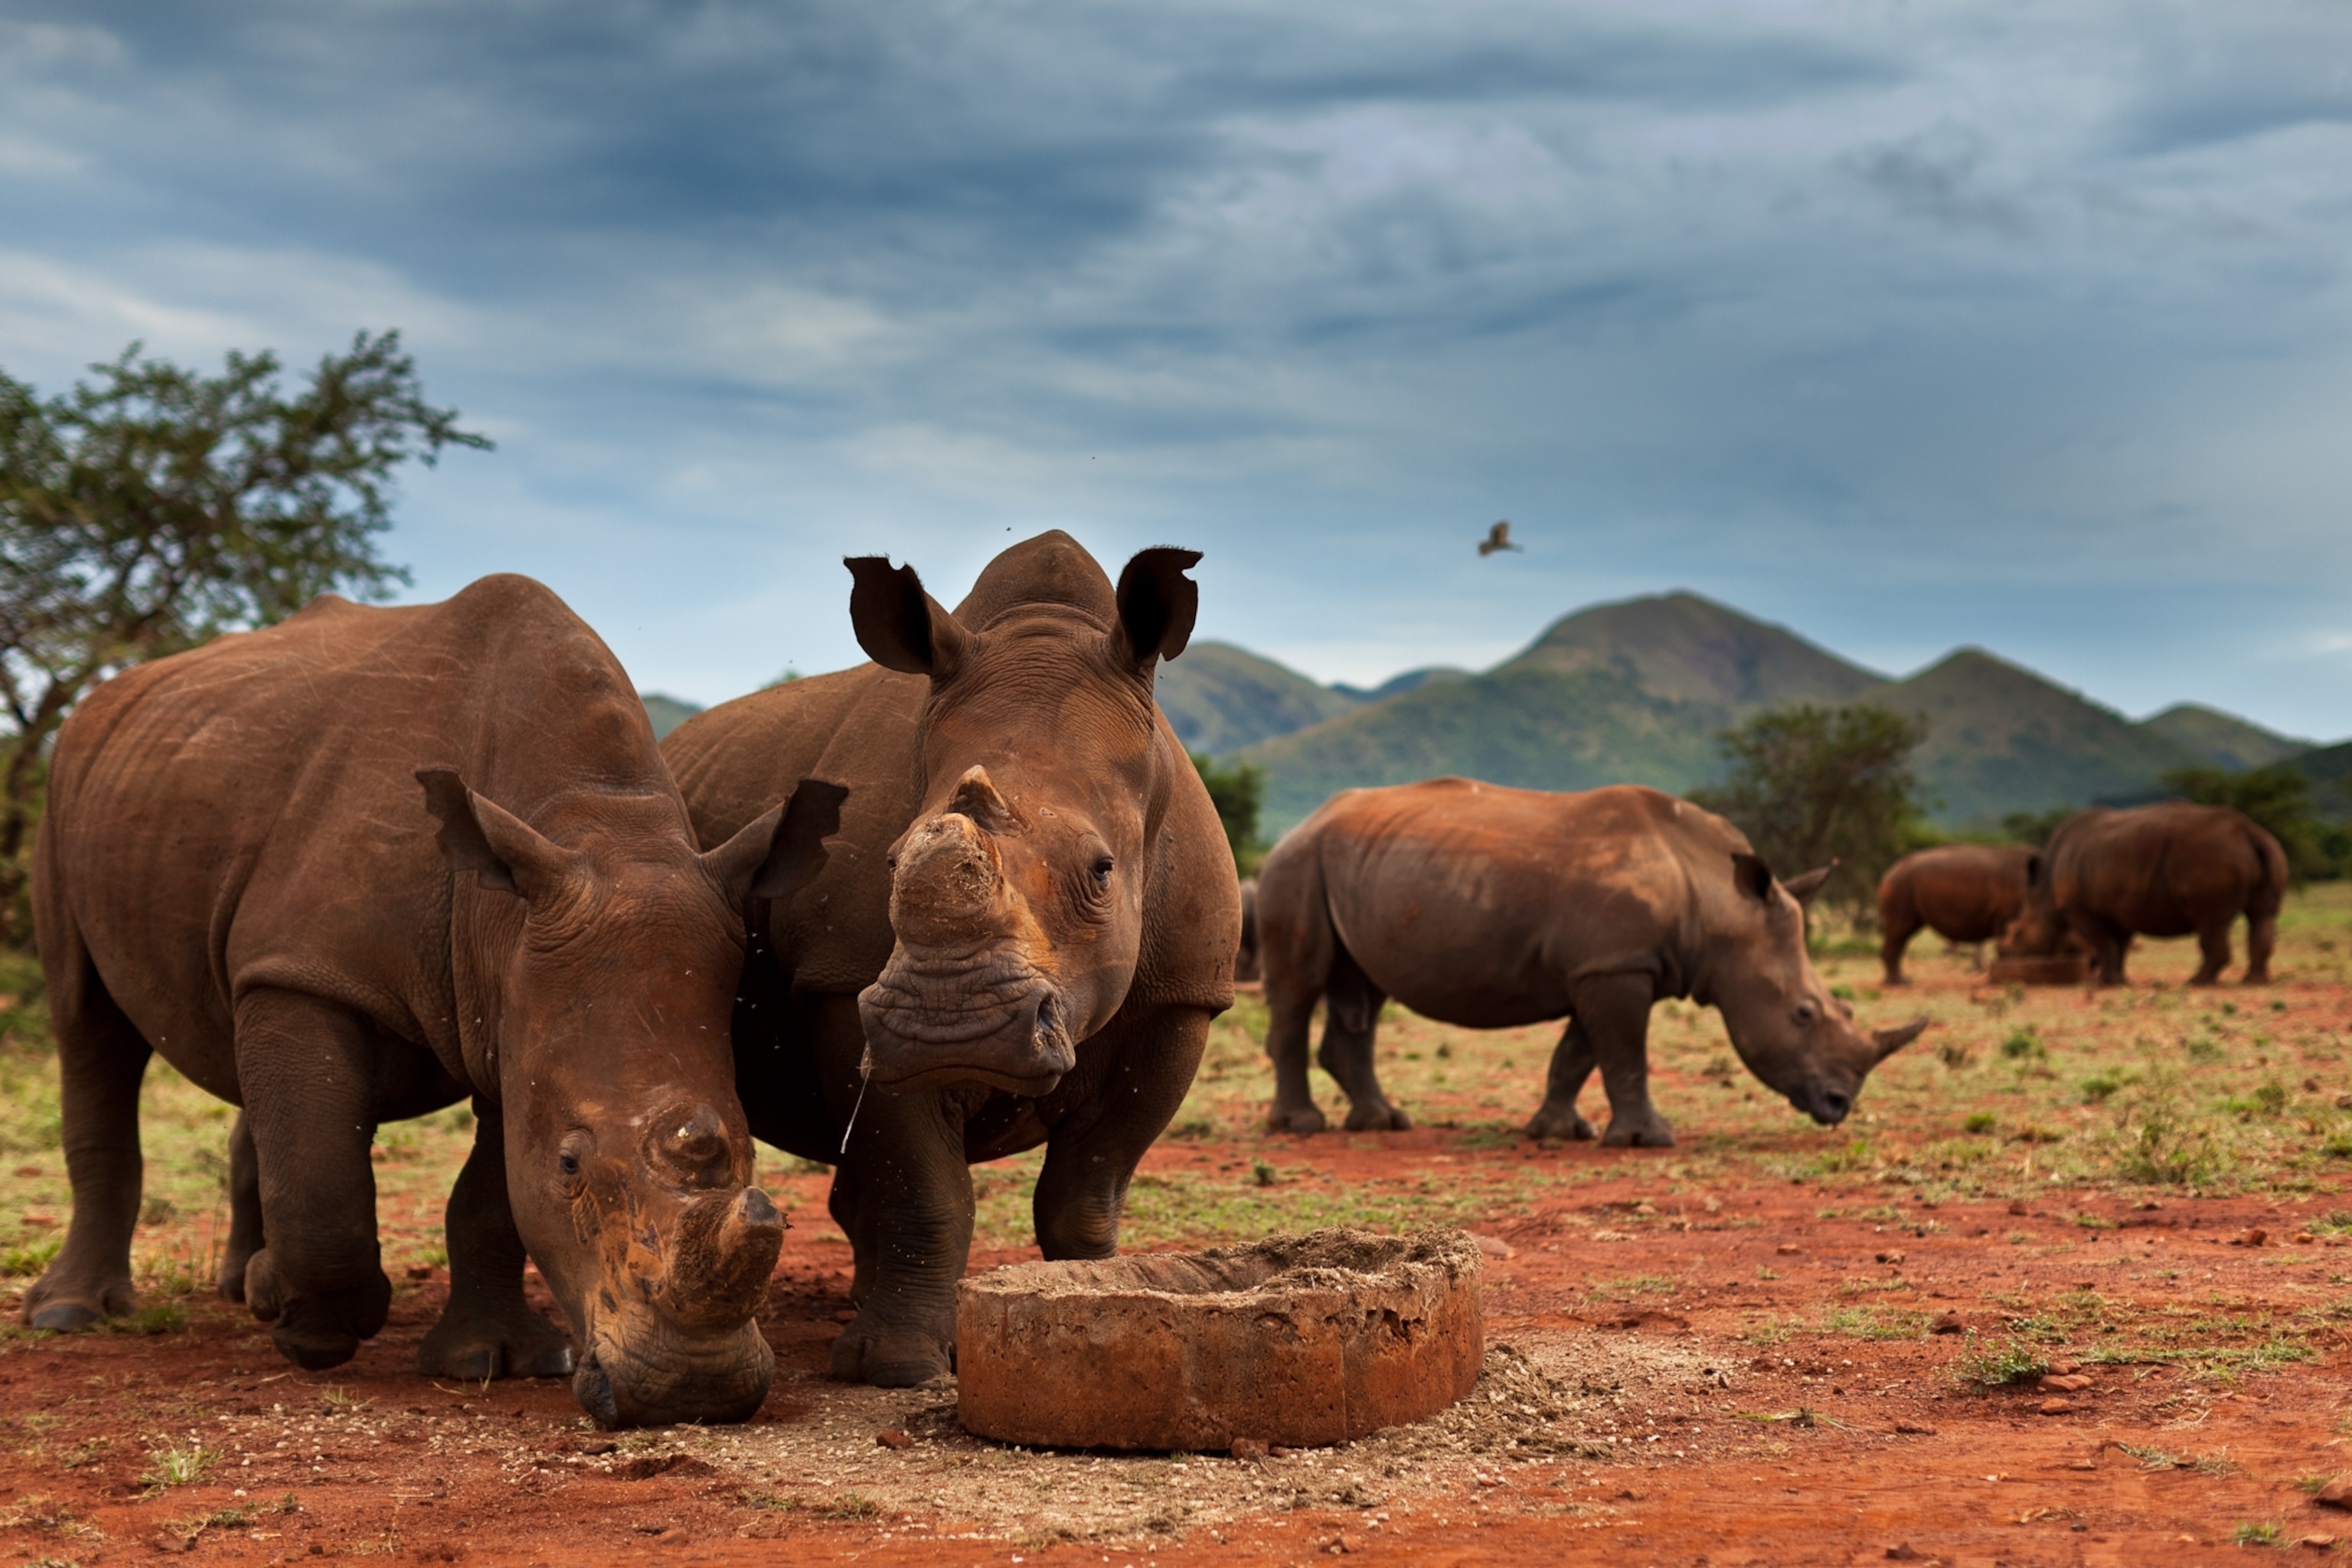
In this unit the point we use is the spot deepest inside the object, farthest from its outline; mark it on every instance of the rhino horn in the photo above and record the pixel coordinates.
(1803, 889)
(1890, 1041)
(725, 1249)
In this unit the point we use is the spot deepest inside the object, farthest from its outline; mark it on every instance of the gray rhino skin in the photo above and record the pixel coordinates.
(237, 870)
(1488, 907)
(1023, 931)
(2169, 869)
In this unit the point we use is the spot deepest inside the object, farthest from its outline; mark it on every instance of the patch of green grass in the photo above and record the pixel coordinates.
(2024, 1045)
(2000, 1363)
(2252, 1534)
(1980, 1122)
(1876, 1322)
(2101, 1086)
(178, 1467)
(28, 1259)
(166, 1317)
(2150, 1457)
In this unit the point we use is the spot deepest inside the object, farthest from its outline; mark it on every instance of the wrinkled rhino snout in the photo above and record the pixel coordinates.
(987, 1019)
(684, 1346)
(1827, 1106)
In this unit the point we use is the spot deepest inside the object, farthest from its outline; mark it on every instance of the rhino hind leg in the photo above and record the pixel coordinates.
(307, 1068)
(1571, 1064)
(100, 1060)
(1352, 1026)
(2262, 939)
(1289, 1019)
(245, 1228)
(2213, 949)
(487, 1330)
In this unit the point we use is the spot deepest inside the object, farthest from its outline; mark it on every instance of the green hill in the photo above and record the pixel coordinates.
(667, 712)
(1219, 698)
(2003, 738)
(2223, 740)
(1633, 692)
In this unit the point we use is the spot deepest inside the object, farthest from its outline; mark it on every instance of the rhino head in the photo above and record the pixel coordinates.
(1016, 892)
(1800, 1040)
(608, 983)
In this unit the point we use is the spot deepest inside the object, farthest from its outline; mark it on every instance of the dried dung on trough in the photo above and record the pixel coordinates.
(1301, 1339)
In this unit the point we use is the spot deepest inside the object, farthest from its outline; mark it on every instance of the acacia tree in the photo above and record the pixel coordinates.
(154, 507)
(1812, 784)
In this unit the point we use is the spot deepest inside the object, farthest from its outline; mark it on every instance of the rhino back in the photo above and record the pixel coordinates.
(1481, 905)
(248, 814)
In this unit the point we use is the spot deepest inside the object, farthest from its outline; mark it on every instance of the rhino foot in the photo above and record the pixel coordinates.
(65, 1306)
(1645, 1132)
(318, 1329)
(1378, 1116)
(478, 1347)
(886, 1356)
(1553, 1121)
(1306, 1118)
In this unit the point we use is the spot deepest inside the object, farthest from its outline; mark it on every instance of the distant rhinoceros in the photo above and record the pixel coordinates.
(1488, 907)
(1245, 969)
(237, 870)
(1024, 931)
(1963, 892)
(2170, 869)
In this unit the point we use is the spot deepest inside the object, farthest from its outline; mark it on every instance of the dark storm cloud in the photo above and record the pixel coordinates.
(1909, 325)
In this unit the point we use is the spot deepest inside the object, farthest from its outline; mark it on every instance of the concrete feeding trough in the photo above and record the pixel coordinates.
(1301, 1339)
(2048, 969)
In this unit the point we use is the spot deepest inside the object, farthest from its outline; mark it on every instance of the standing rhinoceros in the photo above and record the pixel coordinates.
(2168, 870)
(1023, 932)
(1490, 907)
(237, 870)
(1962, 892)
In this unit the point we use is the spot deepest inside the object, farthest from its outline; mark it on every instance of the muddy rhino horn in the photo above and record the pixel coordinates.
(1890, 1041)
(1803, 889)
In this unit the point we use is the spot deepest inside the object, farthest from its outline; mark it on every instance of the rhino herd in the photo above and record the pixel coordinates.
(966, 900)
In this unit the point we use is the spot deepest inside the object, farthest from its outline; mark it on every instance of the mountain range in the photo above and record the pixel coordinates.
(1640, 692)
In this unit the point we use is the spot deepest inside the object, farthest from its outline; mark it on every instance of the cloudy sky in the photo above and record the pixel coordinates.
(1907, 324)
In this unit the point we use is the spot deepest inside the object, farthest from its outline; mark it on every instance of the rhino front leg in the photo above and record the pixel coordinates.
(246, 1236)
(1571, 1064)
(487, 1330)
(305, 1067)
(1091, 1153)
(1614, 1009)
(902, 1193)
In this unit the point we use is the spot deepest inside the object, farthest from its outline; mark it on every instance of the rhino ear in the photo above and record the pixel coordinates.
(900, 626)
(505, 853)
(1751, 876)
(1157, 605)
(2032, 869)
(1803, 889)
(781, 852)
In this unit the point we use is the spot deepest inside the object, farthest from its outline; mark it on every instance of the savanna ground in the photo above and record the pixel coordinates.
(2071, 1287)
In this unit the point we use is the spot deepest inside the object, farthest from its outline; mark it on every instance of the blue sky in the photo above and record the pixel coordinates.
(1904, 324)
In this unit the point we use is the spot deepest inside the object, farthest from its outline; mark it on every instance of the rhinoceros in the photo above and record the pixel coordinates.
(1488, 907)
(2168, 870)
(1246, 950)
(368, 863)
(1026, 925)
(1962, 892)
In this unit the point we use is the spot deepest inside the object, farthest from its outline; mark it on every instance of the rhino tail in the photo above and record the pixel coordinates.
(2269, 892)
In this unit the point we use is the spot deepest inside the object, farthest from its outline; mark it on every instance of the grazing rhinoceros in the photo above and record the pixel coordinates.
(237, 870)
(1489, 907)
(1023, 932)
(2169, 869)
(1962, 892)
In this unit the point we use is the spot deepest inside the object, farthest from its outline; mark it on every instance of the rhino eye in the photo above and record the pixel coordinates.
(1102, 869)
(568, 1162)
(572, 1153)
(1807, 1012)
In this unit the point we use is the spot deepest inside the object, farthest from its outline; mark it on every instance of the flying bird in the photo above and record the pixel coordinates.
(1497, 538)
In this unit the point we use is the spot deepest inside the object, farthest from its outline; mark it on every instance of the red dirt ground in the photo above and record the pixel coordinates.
(1693, 1439)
